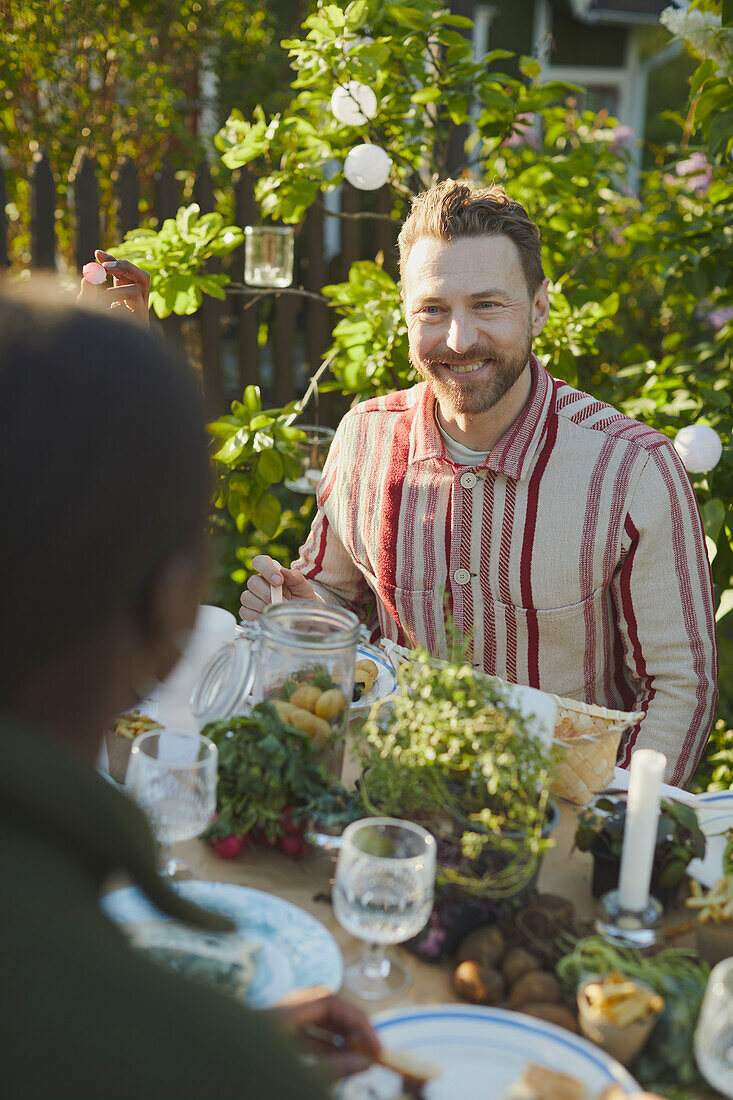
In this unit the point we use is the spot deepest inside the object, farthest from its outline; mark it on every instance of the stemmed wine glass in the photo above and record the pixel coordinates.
(173, 777)
(383, 893)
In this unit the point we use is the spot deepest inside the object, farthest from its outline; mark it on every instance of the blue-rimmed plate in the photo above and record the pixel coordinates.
(483, 1051)
(715, 814)
(295, 950)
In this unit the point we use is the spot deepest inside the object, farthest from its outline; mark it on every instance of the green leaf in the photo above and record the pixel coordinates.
(252, 399)
(530, 67)
(233, 447)
(270, 467)
(266, 514)
(721, 134)
(713, 515)
(427, 95)
(356, 14)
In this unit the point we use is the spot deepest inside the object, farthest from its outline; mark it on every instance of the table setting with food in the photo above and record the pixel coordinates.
(460, 856)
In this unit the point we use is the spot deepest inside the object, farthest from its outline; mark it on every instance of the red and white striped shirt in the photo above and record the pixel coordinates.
(573, 556)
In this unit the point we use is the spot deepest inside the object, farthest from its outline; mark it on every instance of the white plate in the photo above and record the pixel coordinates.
(483, 1051)
(715, 813)
(386, 684)
(295, 950)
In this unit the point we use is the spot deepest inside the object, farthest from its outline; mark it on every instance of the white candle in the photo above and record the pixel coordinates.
(640, 831)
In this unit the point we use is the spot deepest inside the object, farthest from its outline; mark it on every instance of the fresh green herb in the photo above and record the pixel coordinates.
(264, 766)
(679, 836)
(452, 753)
(336, 806)
(667, 1062)
(318, 675)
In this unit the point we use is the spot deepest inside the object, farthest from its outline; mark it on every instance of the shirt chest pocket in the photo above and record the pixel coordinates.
(568, 646)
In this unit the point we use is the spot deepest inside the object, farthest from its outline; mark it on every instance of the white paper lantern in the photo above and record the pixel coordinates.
(353, 103)
(699, 446)
(367, 167)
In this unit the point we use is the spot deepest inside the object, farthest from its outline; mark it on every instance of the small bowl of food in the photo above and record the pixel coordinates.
(618, 1014)
(119, 737)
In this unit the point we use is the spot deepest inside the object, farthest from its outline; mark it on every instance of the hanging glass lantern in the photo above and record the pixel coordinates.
(268, 255)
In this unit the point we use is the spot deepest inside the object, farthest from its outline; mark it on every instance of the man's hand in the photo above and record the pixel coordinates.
(131, 290)
(316, 1010)
(270, 574)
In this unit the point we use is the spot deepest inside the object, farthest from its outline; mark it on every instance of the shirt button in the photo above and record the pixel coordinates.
(461, 576)
(468, 480)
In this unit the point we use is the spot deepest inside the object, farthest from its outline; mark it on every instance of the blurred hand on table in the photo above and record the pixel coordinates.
(309, 1010)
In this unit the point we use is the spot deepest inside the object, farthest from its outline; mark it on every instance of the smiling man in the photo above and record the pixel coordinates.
(564, 536)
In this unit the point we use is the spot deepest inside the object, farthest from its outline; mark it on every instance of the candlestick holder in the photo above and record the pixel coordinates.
(625, 927)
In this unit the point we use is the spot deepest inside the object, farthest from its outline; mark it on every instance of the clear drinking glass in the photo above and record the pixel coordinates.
(173, 777)
(714, 1031)
(383, 893)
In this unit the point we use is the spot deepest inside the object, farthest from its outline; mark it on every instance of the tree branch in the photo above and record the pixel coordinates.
(265, 292)
(354, 217)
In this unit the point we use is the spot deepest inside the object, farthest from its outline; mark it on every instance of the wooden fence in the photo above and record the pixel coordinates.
(222, 337)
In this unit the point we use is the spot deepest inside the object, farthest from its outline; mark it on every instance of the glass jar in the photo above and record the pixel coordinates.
(268, 255)
(299, 656)
(312, 454)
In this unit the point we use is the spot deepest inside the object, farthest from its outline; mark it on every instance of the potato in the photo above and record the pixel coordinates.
(365, 664)
(331, 705)
(535, 985)
(367, 681)
(552, 1013)
(306, 697)
(480, 984)
(518, 961)
(484, 945)
(315, 727)
(285, 710)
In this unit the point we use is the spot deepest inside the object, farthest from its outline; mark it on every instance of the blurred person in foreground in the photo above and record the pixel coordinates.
(103, 466)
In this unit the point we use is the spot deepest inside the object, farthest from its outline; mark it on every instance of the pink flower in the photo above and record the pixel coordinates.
(620, 136)
(719, 317)
(696, 172)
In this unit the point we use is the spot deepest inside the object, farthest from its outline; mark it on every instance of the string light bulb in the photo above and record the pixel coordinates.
(353, 103)
(699, 446)
(367, 167)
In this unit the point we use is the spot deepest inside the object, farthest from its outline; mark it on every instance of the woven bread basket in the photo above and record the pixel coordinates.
(587, 738)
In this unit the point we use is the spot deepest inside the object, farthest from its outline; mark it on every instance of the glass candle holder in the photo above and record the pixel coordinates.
(268, 255)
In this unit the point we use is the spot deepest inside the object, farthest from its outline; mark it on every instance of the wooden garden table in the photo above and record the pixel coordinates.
(305, 883)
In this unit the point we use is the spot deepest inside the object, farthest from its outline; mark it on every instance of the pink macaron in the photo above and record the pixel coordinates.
(94, 273)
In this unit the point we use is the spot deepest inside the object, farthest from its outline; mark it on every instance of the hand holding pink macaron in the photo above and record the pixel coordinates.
(130, 289)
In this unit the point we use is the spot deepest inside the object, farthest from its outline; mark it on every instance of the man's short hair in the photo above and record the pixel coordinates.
(103, 475)
(452, 211)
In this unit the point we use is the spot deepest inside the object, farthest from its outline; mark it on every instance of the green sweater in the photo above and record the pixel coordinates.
(82, 1016)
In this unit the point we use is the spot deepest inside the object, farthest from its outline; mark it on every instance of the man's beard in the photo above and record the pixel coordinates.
(457, 394)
